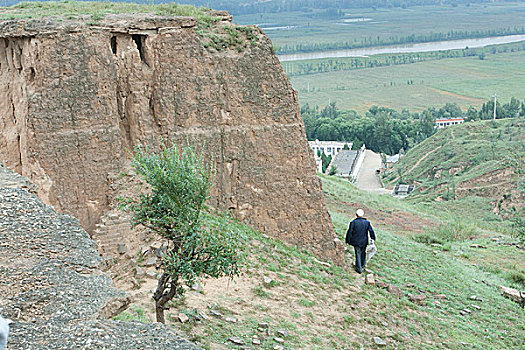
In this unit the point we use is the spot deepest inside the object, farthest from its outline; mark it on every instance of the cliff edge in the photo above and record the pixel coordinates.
(79, 94)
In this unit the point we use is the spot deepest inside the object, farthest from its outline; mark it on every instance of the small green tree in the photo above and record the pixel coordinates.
(333, 170)
(179, 182)
(325, 160)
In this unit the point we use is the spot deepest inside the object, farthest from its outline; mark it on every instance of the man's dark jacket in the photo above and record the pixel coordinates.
(357, 234)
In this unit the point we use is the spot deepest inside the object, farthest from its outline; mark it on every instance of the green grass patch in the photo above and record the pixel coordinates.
(448, 232)
(132, 314)
(97, 10)
(260, 292)
(516, 277)
(466, 81)
(305, 302)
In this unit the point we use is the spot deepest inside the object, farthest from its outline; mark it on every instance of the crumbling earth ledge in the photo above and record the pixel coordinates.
(50, 284)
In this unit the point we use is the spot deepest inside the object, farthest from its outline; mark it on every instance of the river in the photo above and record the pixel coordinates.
(407, 48)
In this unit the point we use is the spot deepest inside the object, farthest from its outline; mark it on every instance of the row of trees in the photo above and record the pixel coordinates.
(237, 7)
(388, 131)
(381, 129)
(331, 65)
(395, 40)
(514, 108)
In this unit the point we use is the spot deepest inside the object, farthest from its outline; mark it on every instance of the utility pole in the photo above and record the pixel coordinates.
(495, 96)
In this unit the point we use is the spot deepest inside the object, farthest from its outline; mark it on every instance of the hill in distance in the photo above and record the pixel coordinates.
(287, 293)
(466, 165)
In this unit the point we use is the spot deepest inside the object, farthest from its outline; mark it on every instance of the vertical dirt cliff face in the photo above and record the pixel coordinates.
(77, 97)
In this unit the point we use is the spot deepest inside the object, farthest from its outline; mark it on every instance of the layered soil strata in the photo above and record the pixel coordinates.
(78, 95)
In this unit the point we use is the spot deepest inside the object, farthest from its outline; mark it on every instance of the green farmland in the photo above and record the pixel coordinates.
(466, 81)
(369, 27)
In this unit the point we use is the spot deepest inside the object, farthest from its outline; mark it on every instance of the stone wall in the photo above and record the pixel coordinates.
(78, 96)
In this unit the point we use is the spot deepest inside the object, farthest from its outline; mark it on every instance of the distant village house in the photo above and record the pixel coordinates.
(442, 123)
(391, 160)
(348, 163)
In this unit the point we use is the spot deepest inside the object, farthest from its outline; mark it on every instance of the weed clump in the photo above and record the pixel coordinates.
(447, 232)
(233, 37)
(133, 314)
(517, 277)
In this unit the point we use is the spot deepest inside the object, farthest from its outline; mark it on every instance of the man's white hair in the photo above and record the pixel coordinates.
(360, 213)
(4, 332)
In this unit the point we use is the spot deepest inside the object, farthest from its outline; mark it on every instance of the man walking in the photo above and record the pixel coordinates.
(357, 236)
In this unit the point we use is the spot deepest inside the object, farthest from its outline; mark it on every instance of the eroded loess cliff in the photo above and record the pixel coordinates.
(77, 96)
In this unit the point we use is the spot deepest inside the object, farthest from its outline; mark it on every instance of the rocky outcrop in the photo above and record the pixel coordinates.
(77, 96)
(50, 284)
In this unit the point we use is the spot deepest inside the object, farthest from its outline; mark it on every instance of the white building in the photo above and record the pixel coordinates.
(329, 148)
(391, 160)
(442, 123)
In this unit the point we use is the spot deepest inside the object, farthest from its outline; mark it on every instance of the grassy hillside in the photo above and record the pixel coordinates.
(467, 81)
(313, 306)
(465, 166)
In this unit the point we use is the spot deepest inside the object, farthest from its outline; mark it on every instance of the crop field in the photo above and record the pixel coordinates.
(370, 27)
(467, 81)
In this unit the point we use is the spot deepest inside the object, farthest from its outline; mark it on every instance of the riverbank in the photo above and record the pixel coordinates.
(407, 48)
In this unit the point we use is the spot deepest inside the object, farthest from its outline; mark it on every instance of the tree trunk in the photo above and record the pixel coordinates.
(159, 311)
(158, 297)
(166, 290)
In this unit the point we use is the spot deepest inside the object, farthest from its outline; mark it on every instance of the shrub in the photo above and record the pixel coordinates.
(517, 277)
(447, 232)
(199, 244)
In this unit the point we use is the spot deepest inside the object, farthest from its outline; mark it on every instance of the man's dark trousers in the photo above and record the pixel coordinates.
(360, 258)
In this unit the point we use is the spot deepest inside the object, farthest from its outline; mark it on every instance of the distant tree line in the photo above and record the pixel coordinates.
(241, 7)
(394, 40)
(514, 108)
(381, 129)
(345, 64)
(388, 131)
(331, 8)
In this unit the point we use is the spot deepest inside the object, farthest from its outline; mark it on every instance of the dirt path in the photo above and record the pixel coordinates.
(367, 178)
(422, 158)
(462, 97)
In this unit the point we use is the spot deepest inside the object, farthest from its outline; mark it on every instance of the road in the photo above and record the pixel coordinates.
(367, 178)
